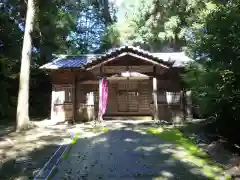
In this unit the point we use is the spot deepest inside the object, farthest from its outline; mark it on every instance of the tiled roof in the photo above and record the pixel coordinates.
(179, 59)
(65, 61)
(82, 61)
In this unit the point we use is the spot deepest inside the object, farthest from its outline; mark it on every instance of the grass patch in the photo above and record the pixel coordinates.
(189, 152)
(105, 129)
(74, 141)
(98, 129)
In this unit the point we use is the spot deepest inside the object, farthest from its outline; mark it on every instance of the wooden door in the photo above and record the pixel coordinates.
(128, 96)
(132, 101)
(122, 101)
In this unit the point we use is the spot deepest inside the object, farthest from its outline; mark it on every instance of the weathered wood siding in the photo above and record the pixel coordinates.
(112, 97)
(129, 97)
(145, 98)
(170, 99)
(62, 102)
(62, 77)
(62, 95)
(140, 105)
(86, 102)
(126, 97)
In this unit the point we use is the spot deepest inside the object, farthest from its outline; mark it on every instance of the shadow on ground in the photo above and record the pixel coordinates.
(6, 129)
(126, 152)
(28, 151)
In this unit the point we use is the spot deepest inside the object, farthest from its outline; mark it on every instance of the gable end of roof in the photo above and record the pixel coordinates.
(175, 59)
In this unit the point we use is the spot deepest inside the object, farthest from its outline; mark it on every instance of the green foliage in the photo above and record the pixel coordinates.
(189, 152)
(60, 28)
(110, 38)
(159, 25)
(215, 80)
(210, 32)
(164, 25)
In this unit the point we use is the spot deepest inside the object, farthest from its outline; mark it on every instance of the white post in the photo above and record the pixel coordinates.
(155, 101)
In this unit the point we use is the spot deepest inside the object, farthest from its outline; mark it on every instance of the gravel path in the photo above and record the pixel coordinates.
(23, 154)
(124, 153)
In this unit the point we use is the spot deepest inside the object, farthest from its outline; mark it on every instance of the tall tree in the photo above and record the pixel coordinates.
(23, 95)
(10, 42)
(214, 78)
(163, 25)
(61, 27)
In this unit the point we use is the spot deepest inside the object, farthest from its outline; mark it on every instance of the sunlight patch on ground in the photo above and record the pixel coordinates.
(188, 152)
(100, 140)
(97, 129)
(145, 148)
(165, 145)
(166, 174)
(140, 131)
(129, 140)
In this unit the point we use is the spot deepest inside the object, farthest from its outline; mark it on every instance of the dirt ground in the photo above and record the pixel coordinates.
(23, 154)
(126, 151)
(217, 150)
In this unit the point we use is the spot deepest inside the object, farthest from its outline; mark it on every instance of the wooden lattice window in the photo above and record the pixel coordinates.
(68, 94)
(90, 99)
(166, 97)
(162, 98)
(173, 97)
(62, 94)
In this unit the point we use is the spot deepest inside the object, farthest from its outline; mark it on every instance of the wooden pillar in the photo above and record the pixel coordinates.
(189, 104)
(155, 101)
(52, 103)
(100, 97)
(183, 103)
(74, 98)
(100, 118)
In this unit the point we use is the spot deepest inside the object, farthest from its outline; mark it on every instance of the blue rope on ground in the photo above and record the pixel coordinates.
(48, 168)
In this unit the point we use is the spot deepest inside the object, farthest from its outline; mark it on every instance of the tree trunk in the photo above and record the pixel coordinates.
(106, 13)
(23, 94)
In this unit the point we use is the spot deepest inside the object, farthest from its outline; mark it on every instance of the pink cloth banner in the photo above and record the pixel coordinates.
(103, 94)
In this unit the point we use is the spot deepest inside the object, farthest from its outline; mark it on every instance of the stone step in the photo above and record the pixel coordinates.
(127, 118)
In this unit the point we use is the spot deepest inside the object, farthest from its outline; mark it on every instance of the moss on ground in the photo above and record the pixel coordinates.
(98, 129)
(190, 152)
(74, 141)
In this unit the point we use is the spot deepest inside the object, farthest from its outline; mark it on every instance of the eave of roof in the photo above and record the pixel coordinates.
(126, 49)
(89, 60)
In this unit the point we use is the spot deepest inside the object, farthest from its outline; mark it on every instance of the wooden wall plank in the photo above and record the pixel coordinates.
(119, 69)
(114, 69)
(62, 102)
(62, 77)
(143, 69)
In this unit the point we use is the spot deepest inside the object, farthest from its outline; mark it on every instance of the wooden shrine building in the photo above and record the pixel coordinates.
(140, 83)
